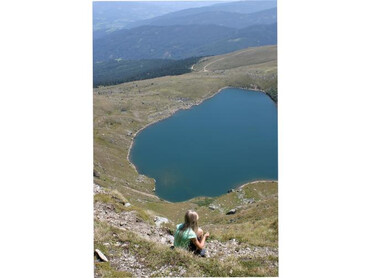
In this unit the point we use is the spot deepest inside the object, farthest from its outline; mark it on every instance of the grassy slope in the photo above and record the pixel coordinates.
(154, 255)
(119, 71)
(122, 110)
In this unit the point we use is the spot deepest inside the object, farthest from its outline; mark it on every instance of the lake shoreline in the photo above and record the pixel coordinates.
(177, 109)
(236, 188)
(253, 182)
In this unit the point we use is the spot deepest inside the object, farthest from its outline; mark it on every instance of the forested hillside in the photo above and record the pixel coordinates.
(220, 18)
(127, 47)
(240, 7)
(114, 15)
(119, 71)
(180, 41)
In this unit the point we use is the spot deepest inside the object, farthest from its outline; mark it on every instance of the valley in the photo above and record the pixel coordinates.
(121, 111)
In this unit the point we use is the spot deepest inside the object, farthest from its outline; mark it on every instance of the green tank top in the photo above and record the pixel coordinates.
(183, 240)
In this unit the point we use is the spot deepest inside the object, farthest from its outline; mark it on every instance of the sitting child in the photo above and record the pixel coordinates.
(189, 236)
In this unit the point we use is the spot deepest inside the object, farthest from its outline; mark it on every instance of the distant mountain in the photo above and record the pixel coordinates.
(108, 15)
(162, 42)
(220, 18)
(246, 7)
(257, 35)
(212, 14)
(179, 42)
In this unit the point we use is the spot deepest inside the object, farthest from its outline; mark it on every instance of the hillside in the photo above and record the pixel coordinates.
(194, 14)
(220, 18)
(117, 15)
(119, 71)
(179, 42)
(161, 42)
(242, 244)
(257, 35)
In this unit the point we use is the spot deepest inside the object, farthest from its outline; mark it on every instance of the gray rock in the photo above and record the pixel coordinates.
(101, 255)
(232, 211)
(96, 174)
(127, 204)
(170, 239)
(160, 220)
(230, 190)
(118, 200)
(213, 207)
(250, 201)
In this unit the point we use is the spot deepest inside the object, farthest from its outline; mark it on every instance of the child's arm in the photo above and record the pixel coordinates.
(200, 244)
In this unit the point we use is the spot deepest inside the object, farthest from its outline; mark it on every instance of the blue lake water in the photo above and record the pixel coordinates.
(228, 140)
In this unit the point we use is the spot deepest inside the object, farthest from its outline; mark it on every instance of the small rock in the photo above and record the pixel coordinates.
(127, 204)
(213, 207)
(170, 239)
(101, 255)
(232, 211)
(230, 190)
(250, 201)
(118, 200)
(96, 174)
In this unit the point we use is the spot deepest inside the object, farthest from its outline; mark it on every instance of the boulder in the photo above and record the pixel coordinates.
(127, 204)
(232, 211)
(230, 190)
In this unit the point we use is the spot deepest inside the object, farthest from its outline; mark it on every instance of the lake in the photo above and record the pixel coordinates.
(224, 142)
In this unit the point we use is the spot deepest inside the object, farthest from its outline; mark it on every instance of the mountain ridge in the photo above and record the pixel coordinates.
(180, 41)
(220, 18)
(243, 7)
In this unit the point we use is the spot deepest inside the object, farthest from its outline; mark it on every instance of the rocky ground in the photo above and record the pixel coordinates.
(129, 221)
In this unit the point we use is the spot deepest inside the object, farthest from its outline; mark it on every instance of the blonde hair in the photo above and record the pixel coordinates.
(190, 221)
